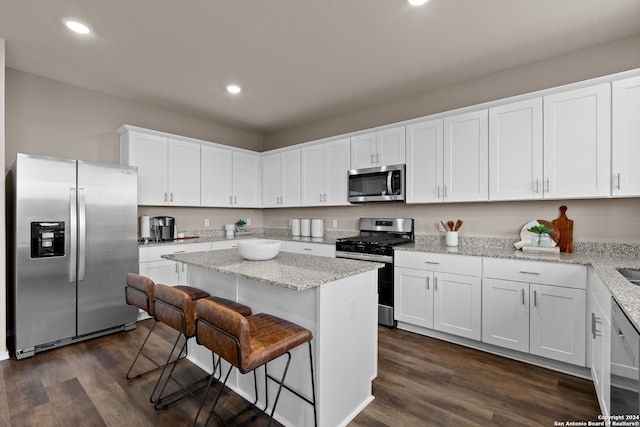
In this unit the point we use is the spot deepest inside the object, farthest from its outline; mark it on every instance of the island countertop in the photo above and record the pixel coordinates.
(289, 270)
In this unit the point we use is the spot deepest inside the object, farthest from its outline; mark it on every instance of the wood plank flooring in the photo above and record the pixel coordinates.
(421, 382)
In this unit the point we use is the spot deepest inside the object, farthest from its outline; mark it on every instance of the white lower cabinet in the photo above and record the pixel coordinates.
(160, 270)
(441, 292)
(535, 307)
(599, 332)
(318, 249)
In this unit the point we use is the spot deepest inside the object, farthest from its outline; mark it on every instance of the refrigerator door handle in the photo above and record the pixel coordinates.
(82, 234)
(73, 238)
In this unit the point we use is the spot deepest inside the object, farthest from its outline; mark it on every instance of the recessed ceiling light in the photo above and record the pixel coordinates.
(417, 2)
(234, 89)
(77, 27)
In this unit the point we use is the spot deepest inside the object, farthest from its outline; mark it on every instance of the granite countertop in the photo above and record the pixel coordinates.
(604, 265)
(289, 270)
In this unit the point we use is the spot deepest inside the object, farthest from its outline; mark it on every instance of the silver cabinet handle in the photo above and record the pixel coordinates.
(428, 279)
(594, 322)
(165, 196)
(435, 283)
(445, 192)
(171, 197)
(535, 298)
(307, 249)
(438, 189)
(548, 186)
(537, 186)
(325, 197)
(432, 262)
(231, 200)
(522, 292)
(618, 180)
(378, 157)
(529, 272)
(373, 158)
(176, 268)
(235, 200)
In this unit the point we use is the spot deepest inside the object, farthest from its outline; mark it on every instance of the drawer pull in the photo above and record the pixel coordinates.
(432, 263)
(530, 272)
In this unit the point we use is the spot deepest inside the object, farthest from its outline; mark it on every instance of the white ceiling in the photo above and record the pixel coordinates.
(298, 61)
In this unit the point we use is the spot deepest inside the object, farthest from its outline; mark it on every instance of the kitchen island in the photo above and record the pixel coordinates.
(336, 299)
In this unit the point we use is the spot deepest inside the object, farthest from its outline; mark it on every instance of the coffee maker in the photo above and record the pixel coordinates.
(163, 228)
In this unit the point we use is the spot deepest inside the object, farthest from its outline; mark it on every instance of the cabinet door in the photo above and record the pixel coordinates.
(184, 173)
(626, 137)
(577, 136)
(515, 151)
(413, 296)
(363, 151)
(149, 154)
(600, 335)
(457, 305)
(466, 157)
(291, 193)
(247, 170)
(390, 146)
(313, 175)
(505, 314)
(165, 271)
(424, 162)
(336, 164)
(557, 323)
(271, 180)
(216, 177)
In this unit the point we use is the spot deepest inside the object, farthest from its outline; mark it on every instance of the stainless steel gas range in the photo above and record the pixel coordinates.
(376, 241)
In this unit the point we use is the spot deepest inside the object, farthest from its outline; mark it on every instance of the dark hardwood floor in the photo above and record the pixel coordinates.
(421, 382)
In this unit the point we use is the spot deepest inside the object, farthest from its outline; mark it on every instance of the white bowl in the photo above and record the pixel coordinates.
(258, 249)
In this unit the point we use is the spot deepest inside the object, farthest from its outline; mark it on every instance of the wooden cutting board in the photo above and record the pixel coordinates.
(565, 226)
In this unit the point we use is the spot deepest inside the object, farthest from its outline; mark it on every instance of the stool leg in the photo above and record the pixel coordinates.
(215, 401)
(164, 368)
(281, 383)
(313, 387)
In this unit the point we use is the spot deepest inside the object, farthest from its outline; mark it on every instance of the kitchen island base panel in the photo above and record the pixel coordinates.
(342, 316)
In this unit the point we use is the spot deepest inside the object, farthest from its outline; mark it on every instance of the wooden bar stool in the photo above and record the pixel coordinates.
(248, 343)
(139, 293)
(175, 306)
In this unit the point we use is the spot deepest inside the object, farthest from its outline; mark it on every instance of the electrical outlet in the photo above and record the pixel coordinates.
(248, 221)
(335, 223)
(206, 222)
(351, 309)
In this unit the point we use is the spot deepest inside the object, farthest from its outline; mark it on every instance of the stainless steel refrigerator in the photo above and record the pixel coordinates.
(75, 239)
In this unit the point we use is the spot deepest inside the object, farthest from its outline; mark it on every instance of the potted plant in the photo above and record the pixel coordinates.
(240, 225)
(543, 237)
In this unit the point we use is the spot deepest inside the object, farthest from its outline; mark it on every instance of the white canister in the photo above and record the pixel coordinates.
(317, 228)
(451, 239)
(295, 227)
(305, 227)
(229, 231)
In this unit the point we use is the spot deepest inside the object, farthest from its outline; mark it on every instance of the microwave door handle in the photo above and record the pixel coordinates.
(389, 176)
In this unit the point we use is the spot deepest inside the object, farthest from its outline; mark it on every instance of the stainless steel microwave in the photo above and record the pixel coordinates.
(379, 184)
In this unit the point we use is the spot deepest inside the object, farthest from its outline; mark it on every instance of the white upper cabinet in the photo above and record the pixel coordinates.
(626, 137)
(324, 173)
(168, 170)
(230, 178)
(216, 176)
(515, 151)
(281, 173)
(577, 137)
(466, 157)
(447, 160)
(425, 147)
(385, 147)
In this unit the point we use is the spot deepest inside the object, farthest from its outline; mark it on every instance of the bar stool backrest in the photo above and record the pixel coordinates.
(139, 292)
(174, 308)
(225, 332)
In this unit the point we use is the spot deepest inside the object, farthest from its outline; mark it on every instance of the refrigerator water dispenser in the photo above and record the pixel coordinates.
(47, 239)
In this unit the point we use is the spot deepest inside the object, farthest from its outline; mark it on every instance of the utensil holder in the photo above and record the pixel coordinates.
(451, 238)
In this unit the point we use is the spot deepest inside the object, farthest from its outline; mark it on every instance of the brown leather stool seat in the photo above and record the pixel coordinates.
(139, 293)
(248, 343)
(175, 306)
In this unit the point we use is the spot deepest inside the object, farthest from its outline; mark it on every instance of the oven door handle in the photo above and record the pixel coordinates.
(386, 259)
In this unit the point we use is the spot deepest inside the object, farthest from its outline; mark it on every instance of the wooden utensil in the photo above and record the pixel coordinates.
(458, 225)
(565, 226)
(444, 225)
(450, 224)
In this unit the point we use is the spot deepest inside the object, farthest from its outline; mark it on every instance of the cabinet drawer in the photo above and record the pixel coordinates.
(153, 253)
(458, 264)
(547, 273)
(318, 249)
